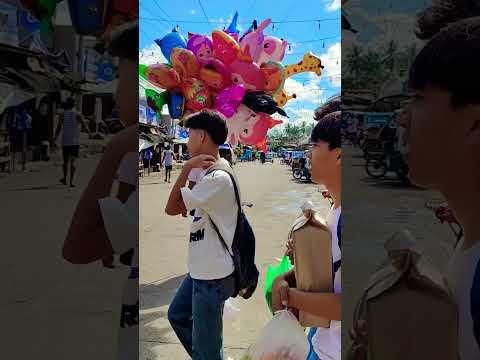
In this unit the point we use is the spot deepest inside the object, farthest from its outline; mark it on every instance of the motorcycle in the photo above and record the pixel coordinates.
(378, 165)
(299, 173)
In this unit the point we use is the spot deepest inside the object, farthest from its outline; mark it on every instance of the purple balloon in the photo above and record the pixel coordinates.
(228, 100)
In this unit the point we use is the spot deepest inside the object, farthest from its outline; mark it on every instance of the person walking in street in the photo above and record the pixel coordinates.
(168, 157)
(262, 157)
(196, 312)
(70, 121)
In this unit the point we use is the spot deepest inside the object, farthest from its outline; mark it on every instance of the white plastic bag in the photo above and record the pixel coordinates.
(231, 311)
(282, 339)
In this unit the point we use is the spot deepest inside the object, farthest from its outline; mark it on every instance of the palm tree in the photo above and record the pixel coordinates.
(390, 53)
(354, 62)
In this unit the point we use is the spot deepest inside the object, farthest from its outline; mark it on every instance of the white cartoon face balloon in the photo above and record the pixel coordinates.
(241, 124)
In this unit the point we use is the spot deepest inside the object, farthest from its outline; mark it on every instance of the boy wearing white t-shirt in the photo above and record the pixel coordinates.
(196, 311)
(444, 153)
(325, 154)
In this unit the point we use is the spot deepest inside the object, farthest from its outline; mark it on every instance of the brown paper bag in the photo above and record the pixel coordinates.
(313, 261)
(406, 311)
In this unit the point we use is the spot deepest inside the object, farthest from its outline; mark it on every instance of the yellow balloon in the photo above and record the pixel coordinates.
(309, 63)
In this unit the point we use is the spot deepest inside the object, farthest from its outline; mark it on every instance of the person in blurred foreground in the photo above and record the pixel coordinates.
(444, 154)
(325, 154)
(104, 225)
(196, 312)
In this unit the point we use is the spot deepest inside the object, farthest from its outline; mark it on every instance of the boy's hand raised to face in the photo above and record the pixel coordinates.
(201, 161)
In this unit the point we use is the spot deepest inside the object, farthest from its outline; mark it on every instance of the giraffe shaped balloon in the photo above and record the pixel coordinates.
(309, 63)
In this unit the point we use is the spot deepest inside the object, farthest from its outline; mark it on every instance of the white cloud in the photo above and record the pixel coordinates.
(296, 116)
(151, 55)
(301, 115)
(332, 63)
(192, 12)
(306, 91)
(333, 5)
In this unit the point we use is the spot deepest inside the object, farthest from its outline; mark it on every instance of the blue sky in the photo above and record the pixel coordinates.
(157, 17)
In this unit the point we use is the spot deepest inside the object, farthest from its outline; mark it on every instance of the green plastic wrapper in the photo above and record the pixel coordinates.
(273, 271)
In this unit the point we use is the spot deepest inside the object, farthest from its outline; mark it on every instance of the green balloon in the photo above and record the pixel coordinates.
(141, 71)
(159, 99)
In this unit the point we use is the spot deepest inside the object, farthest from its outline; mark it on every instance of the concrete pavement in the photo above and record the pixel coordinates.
(50, 308)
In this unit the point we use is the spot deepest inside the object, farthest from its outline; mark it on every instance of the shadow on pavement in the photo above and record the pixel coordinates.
(159, 294)
(389, 183)
(301, 181)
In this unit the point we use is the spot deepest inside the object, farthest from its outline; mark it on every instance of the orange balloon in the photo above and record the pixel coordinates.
(162, 75)
(197, 95)
(185, 63)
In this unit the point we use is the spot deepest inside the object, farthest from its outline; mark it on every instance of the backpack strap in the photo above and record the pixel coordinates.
(222, 240)
(237, 197)
(229, 171)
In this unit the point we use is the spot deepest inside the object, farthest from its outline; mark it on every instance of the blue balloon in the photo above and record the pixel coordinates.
(232, 28)
(171, 41)
(176, 103)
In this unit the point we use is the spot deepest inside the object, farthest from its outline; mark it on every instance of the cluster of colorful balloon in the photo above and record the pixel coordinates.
(241, 77)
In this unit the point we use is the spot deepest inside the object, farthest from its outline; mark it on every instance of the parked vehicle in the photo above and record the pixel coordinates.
(378, 165)
(226, 152)
(269, 157)
(300, 173)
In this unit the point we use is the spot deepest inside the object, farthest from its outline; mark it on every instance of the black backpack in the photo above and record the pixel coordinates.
(243, 245)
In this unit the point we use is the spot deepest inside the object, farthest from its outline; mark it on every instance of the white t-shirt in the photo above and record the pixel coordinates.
(327, 342)
(168, 157)
(213, 198)
(121, 224)
(463, 277)
(71, 128)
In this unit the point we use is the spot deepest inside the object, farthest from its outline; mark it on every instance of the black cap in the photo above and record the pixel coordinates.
(259, 101)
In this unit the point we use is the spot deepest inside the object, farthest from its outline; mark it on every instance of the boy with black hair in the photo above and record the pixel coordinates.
(444, 144)
(196, 311)
(325, 155)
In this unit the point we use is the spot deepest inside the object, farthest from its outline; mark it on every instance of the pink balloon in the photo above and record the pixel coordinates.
(259, 130)
(215, 74)
(252, 43)
(242, 122)
(228, 100)
(248, 74)
(273, 49)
